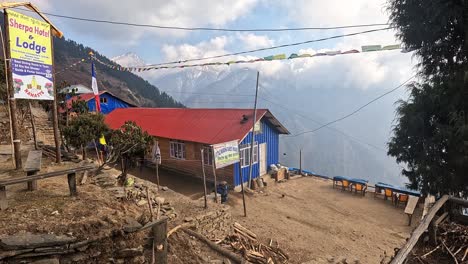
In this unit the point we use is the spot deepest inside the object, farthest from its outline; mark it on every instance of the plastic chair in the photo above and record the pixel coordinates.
(388, 193)
(358, 187)
(402, 198)
(345, 184)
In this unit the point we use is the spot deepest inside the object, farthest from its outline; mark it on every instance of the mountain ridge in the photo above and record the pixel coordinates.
(126, 85)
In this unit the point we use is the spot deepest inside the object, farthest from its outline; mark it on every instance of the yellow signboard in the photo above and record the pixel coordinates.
(31, 57)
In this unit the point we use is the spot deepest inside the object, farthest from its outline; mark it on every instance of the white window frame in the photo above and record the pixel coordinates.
(244, 152)
(208, 155)
(103, 100)
(177, 149)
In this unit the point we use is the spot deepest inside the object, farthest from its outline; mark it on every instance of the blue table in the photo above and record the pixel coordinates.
(380, 185)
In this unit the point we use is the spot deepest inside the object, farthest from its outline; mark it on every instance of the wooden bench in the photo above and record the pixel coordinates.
(71, 175)
(32, 166)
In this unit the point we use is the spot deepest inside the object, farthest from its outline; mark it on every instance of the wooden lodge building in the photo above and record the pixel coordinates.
(108, 102)
(183, 132)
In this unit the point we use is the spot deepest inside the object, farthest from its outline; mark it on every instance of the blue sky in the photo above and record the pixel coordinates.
(150, 44)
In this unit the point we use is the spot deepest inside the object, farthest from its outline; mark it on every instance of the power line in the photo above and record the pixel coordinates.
(246, 95)
(208, 28)
(272, 47)
(295, 112)
(355, 111)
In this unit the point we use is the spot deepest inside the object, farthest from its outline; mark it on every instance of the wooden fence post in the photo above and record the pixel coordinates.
(159, 231)
(32, 185)
(3, 198)
(204, 177)
(72, 183)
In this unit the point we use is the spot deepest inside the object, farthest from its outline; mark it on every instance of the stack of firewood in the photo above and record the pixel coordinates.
(451, 246)
(245, 242)
(454, 240)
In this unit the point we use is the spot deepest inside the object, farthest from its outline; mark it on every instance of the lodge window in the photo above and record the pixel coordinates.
(177, 149)
(103, 100)
(207, 155)
(245, 154)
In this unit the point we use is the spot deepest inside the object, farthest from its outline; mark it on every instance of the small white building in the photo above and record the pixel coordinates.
(77, 88)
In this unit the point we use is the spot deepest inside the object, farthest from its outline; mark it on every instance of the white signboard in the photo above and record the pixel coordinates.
(226, 154)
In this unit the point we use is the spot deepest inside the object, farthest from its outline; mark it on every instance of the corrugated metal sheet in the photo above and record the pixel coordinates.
(209, 126)
(112, 104)
(270, 136)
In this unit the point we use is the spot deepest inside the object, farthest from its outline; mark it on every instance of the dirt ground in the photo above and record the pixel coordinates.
(310, 220)
(93, 213)
(315, 223)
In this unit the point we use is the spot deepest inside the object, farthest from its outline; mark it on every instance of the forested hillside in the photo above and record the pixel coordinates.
(123, 84)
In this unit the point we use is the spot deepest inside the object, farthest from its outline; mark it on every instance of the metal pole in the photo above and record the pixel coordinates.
(11, 99)
(157, 164)
(300, 161)
(204, 177)
(58, 153)
(242, 189)
(253, 132)
(214, 175)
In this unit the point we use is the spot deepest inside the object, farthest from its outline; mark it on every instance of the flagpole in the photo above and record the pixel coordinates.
(94, 85)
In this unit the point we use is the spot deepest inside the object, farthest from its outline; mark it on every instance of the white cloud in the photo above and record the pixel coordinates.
(185, 13)
(213, 47)
(335, 12)
(252, 41)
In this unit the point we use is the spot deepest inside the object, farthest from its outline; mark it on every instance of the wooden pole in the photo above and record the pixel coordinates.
(7, 82)
(71, 177)
(254, 120)
(214, 175)
(242, 189)
(159, 231)
(33, 124)
(11, 99)
(58, 154)
(204, 176)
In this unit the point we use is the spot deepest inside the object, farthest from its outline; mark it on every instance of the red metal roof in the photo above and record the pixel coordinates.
(209, 126)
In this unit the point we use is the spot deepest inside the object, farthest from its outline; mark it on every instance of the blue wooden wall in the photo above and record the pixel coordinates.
(270, 136)
(106, 108)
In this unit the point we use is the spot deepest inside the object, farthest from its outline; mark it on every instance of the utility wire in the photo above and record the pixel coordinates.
(208, 28)
(246, 95)
(296, 112)
(272, 47)
(355, 111)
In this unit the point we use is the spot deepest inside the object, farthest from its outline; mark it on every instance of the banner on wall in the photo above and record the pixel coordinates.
(31, 57)
(226, 154)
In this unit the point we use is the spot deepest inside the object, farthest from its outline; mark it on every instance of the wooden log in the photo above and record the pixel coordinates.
(84, 178)
(244, 231)
(232, 256)
(406, 249)
(72, 183)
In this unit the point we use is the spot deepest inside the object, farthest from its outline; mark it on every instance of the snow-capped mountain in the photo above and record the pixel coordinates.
(129, 59)
(303, 97)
